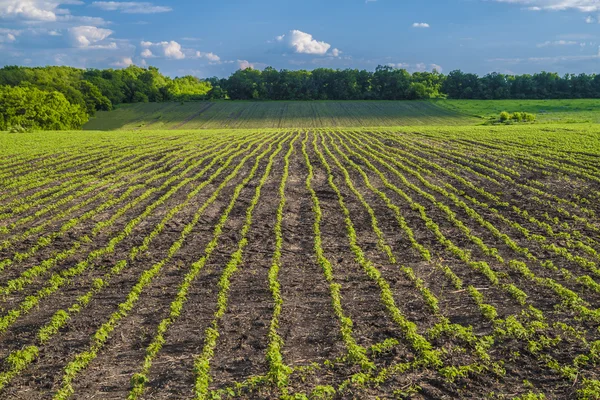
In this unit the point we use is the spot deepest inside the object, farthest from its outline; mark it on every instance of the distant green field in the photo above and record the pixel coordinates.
(284, 114)
(547, 111)
(326, 114)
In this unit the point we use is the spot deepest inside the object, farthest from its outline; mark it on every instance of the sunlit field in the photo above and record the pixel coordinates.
(422, 262)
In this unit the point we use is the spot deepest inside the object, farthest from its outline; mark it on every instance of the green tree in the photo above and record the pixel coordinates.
(32, 108)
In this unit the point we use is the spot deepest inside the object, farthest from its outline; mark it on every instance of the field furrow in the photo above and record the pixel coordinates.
(300, 264)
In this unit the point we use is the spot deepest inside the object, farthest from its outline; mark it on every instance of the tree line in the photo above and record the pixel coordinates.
(76, 94)
(388, 83)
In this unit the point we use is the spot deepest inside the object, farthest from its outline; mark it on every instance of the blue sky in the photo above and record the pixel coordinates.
(207, 38)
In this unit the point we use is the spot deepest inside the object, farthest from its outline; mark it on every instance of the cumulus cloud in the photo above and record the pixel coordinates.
(131, 7)
(170, 49)
(147, 53)
(557, 5)
(45, 12)
(123, 62)
(81, 20)
(399, 65)
(557, 43)
(212, 57)
(88, 36)
(304, 43)
(245, 64)
(9, 35)
(420, 25)
(7, 38)
(435, 67)
(34, 10)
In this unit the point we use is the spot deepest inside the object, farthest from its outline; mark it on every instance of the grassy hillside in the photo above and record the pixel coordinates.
(284, 114)
(547, 111)
(319, 114)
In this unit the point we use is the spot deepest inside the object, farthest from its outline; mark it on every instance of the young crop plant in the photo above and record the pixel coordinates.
(419, 344)
(139, 379)
(61, 317)
(488, 311)
(60, 279)
(479, 246)
(444, 326)
(509, 242)
(279, 372)
(356, 353)
(70, 180)
(82, 360)
(47, 239)
(202, 362)
(111, 169)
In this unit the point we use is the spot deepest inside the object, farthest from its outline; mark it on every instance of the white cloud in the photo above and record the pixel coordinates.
(131, 7)
(46, 12)
(336, 52)
(7, 38)
(212, 57)
(304, 43)
(80, 20)
(123, 62)
(59, 59)
(170, 49)
(9, 35)
(590, 20)
(88, 36)
(557, 5)
(399, 65)
(420, 25)
(147, 53)
(245, 64)
(557, 43)
(435, 67)
(34, 10)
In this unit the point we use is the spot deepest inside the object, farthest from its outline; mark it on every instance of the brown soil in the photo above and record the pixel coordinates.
(312, 343)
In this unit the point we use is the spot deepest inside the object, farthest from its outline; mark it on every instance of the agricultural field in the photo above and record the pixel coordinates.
(275, 114)
(325, 114)
(419, 262)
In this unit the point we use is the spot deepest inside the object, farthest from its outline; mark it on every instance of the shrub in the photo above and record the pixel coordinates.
(506, 117)
(19, 129)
